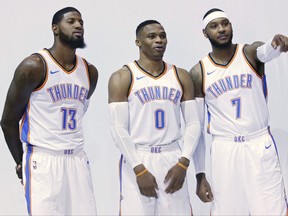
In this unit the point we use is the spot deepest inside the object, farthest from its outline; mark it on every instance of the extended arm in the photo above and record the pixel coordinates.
(272, 49)
(28, 76)
(259, 53)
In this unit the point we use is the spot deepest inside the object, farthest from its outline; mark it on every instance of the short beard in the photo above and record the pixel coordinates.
(73, 43)
(221, 46)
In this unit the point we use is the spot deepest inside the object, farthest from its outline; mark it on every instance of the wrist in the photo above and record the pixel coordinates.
(200, 177)
(139, 168)
(184, 161)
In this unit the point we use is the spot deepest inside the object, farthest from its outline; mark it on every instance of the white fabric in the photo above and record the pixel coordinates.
(229, 95)
(54, 115)
(119, 118)
(266, 52)
(154, 106)
(192, 128)
(158, 163)
(199, 154)
(58, 182)
(246, 176)
(212, 16)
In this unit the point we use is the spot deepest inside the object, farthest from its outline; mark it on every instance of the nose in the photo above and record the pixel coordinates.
(78, 25)
(221, 28)
(159, 39)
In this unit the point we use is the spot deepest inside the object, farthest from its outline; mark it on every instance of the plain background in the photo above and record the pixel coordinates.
(110, 33)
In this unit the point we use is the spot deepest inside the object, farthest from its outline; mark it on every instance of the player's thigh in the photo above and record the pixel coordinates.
(44, 183)
(265, 180)
(132, 202)
(80, 185)
(227, 178)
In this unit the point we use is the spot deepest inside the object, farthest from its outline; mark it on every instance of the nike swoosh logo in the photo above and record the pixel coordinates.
(211, 72)
(267, 147)
(138, 78)
(53, 72)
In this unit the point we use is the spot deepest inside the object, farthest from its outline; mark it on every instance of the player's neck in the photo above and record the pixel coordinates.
(64, 56)
(223, 54)
(153, 67)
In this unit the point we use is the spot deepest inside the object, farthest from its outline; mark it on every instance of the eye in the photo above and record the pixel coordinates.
(81, 22)
(213, 26)
(163, 36)
(151, 36)
(225, 23)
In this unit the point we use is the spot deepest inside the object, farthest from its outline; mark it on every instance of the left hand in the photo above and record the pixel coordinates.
(203, 189)
(175, 176)
(280, 40)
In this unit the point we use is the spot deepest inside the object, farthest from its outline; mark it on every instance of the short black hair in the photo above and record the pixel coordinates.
(144, 23)
(211, 11)
(59, 14)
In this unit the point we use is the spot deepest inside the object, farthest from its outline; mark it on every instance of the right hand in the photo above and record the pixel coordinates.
(147, 184)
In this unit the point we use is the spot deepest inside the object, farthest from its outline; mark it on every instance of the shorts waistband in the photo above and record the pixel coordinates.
(159, 148)
(65, 152)
(243, 137)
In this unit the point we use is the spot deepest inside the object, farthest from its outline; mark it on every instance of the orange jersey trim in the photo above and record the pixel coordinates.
(68, 72)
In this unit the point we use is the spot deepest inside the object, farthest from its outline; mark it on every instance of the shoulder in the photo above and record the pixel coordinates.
(32, 62)
(119, 84)
(93, 76)
(196, 71)
(93, 72)
(121, 75)
(32, 68)
(197, 78)
(182, 74)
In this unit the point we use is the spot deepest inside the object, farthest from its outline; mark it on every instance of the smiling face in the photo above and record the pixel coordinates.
(219, 32)
(152, 41)
(70, 30)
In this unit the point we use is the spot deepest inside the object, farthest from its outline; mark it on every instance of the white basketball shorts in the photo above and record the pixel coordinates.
(57, 182)
(158, 160)
(246, 176)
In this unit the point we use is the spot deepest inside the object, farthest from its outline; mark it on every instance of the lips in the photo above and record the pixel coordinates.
(159, 48)
(78, 33)
(222, 37)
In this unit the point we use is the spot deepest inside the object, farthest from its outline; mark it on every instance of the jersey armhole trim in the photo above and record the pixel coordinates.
(43, 82)
(177, 77)
(249, 63)
(87, 71)
(202, 69)
(131, 80)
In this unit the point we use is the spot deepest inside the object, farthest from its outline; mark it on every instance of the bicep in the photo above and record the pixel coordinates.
(188, 87)
(26, 78)
(118, 86)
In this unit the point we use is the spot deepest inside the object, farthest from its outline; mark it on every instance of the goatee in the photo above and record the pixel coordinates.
(72, 42)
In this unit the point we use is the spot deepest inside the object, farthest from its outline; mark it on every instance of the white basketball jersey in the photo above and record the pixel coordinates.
(154, 106)
(235, 95)
(53, 117)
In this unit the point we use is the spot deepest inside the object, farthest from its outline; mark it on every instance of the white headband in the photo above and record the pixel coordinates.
(212, 16)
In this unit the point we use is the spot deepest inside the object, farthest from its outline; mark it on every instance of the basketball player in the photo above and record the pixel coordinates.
(145, 101)
(50, 91)
(246, 175)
